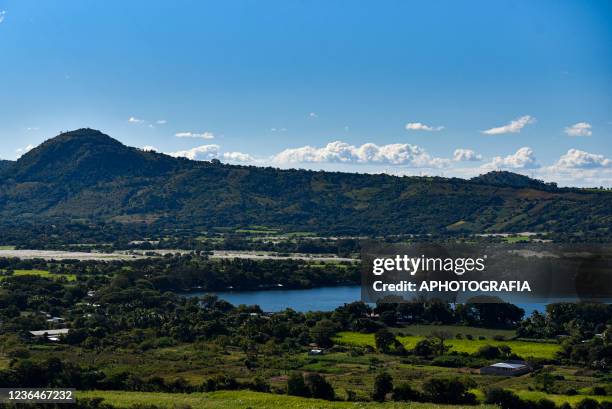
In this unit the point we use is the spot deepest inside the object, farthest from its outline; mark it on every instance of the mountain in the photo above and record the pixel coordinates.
(85, 174)
(509, 179)
(4, 165)
(87, 156)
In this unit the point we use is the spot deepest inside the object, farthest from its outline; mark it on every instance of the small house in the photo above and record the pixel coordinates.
(51, 334)
(506, 368)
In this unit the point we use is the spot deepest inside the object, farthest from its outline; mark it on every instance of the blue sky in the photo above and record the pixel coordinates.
(396, 86)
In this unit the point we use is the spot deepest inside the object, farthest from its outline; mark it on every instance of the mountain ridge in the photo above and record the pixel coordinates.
(87, 174)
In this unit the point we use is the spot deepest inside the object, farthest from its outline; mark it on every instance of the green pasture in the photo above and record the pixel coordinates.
(247, 399)
(42, 273)
(523, 348)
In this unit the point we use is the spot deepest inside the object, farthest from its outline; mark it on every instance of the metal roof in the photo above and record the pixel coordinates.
(507, 365)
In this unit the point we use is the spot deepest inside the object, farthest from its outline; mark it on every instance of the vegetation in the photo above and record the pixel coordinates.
(88, 178)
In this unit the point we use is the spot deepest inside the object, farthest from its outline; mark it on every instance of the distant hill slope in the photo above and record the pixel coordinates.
(86, 174)
(4, 165)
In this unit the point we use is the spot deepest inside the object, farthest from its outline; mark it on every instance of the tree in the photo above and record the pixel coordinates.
(384, 340)
(440, 336)
(319, 387)
(322, 333)
(296, 385)
(424, 347)
(452, 391)
(383, 384)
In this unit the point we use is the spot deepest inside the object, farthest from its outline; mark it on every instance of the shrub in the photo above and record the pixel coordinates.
(448, 391)
(587, 403)
(383, 384)
(450, 361)
(504, 398)
(489, 352)
(404, 392)
(545, 404)
(424, 347)
(599, 391)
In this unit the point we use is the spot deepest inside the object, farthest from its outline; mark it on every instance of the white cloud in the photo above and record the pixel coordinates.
(313, 115)
(161, 122)
(238, 157)
(466, 155)
(577, 159)
(21, 151)
(202, 135)
(368, 153)
(524, 158)
(149, 148)
(278, 129)
(2, 15)
(513, 127)
(417, 126)
(579, 129)
(32, 128)
(134, 120)
(204, 152)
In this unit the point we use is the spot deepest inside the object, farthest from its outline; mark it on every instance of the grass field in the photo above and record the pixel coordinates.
(426, 330)
(43, 273)
(523, 348)
(247, 399)
(559, 399)
(7, 247)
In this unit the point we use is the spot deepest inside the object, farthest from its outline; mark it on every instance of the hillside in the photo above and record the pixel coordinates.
(4, 164)
(85, 174)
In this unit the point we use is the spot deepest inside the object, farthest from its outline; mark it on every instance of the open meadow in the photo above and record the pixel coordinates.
(247, 399)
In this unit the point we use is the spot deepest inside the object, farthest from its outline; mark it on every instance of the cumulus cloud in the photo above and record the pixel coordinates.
(201, 135)
(579, 129)
(21, 151)
(368, 153)
(149, 148)
(313, 115)
(466, 155)
(2, 15)
(418, 126)
(208, 152)
(238, 157)
(134, 120)
(203, 152)
(577, 159)
(512, 127)
(524, 158)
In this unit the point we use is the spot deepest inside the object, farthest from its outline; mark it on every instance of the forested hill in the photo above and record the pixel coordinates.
(4, 164)
(85, 174)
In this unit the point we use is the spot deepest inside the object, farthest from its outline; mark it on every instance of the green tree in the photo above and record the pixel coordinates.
(383, 384)
(384, 340)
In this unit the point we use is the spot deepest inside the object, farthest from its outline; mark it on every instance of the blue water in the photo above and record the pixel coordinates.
(314, 299)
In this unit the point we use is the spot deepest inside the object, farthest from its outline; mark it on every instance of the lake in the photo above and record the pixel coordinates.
(313, 299)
